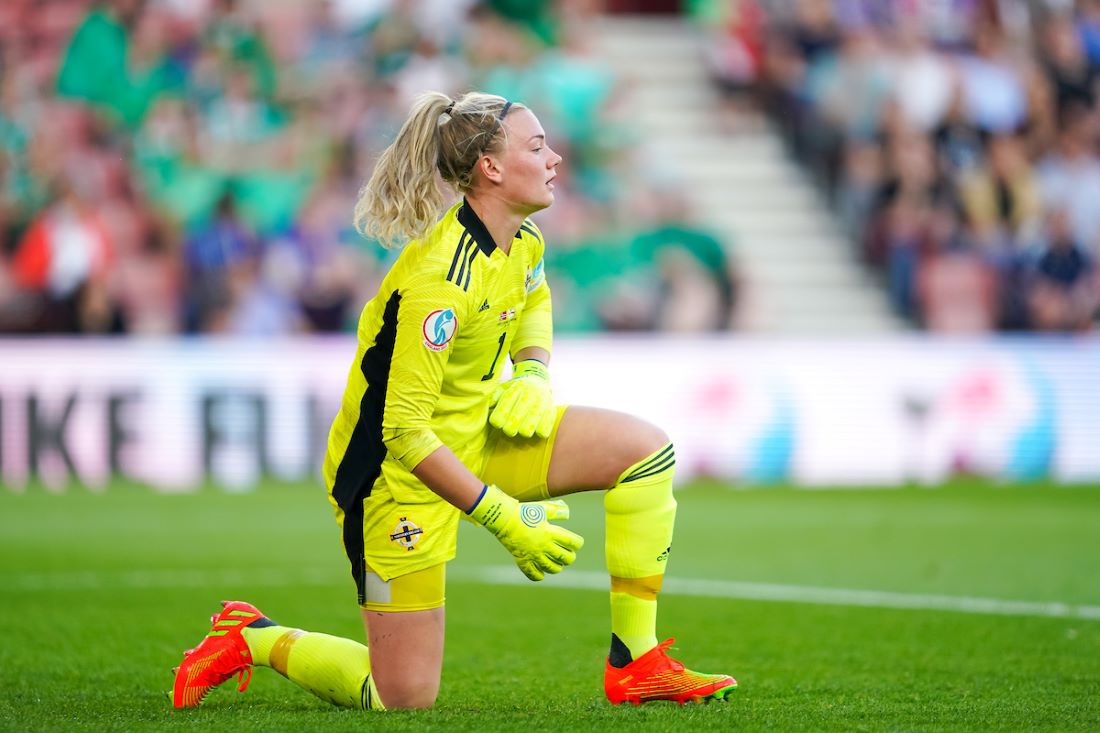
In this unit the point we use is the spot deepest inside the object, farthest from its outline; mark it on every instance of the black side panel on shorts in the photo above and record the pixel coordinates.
(355, 549)
(362, 461)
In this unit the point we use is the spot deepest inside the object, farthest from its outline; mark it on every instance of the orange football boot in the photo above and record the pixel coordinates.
(657, 676)
(222, 654)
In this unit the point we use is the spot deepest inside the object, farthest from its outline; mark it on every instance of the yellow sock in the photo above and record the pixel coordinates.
(634, 621)
(330, 667)
(640, 514)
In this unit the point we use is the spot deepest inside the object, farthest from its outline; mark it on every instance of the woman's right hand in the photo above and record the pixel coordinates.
(524, 529)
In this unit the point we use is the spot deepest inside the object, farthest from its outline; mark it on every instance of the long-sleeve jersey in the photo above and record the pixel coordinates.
(430, 348)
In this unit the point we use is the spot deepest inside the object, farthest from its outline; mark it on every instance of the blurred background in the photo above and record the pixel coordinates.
(837, 241)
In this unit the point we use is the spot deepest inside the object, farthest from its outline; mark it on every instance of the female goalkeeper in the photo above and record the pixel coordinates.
(427, 432)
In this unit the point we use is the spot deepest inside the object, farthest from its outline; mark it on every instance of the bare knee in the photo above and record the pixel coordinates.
(594, 447)
(650, 440)
(636, 444)
(406, 652)
(407, 692)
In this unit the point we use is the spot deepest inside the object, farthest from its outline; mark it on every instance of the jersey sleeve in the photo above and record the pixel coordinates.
(536, 327)
(430, 314)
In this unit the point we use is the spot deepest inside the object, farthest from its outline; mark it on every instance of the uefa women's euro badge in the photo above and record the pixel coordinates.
(439, 328)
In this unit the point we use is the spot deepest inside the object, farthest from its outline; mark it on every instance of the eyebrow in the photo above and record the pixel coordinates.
(536, 137)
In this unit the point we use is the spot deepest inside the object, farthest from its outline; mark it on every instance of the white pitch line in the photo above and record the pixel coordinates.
(732, 589)
(572, 579)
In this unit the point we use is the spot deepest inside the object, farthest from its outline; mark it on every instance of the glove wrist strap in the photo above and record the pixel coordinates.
(484, 488)
(531, 368)
(490, 509)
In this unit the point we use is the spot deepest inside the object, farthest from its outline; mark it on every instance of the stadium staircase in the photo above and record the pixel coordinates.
(800, 274)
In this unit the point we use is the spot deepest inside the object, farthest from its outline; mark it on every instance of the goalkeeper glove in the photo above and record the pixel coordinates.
(525, 531)
(523, 406)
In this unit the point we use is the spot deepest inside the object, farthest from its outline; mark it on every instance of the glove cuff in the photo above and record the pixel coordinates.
(531, 368)
(491, 508)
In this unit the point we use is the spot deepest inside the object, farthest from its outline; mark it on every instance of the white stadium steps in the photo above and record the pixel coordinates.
(801, 276)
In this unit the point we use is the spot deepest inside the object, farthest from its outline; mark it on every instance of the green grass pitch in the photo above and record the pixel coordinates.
(101, 592)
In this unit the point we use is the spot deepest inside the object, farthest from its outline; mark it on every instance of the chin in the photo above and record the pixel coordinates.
(534, 206)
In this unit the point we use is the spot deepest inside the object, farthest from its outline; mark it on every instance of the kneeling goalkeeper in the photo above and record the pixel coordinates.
(427, 433)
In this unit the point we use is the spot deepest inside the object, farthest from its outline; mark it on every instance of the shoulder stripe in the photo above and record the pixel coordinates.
(470, 268)
(464, 261)
(530, 229)
(458, 254)
(462, 258)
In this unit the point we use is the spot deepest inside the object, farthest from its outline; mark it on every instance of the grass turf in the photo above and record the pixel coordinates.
(99, 594)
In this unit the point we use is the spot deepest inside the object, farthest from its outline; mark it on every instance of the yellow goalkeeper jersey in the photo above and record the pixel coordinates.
(431, 346)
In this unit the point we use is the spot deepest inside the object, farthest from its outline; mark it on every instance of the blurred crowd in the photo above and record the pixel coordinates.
(957, 139)
(169, 166)
(190, 166)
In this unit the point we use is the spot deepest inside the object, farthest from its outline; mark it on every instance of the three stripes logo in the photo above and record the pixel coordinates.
(462, 262)
(225, 625)
(664, 460)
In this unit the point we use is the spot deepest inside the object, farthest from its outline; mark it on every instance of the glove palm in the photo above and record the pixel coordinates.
(524, 529)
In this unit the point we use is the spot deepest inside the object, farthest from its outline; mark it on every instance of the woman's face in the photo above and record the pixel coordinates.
(527, 164)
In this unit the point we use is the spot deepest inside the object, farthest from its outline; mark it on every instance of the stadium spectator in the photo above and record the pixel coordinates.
(1005, 93)
(427, 432)
(734, 50)
(993, 86)
(1064, 291)
(589, 266)
(924, 83)
(1001, 197)
(64, 261)
(1069, 175)
(1062, 54)
(956, 289)
(218, 258)
(697, 279)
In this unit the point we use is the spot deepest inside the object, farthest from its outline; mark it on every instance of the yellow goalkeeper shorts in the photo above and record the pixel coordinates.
(398, 550)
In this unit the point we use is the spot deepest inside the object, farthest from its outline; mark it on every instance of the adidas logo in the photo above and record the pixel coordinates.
(484, 306)
(664, 555)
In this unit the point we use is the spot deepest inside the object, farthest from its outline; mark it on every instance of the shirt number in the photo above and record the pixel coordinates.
(492, 369)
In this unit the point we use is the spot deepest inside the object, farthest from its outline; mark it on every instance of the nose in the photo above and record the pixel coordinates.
(554, 160)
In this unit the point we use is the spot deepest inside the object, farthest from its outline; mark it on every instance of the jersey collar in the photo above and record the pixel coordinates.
(469, 219)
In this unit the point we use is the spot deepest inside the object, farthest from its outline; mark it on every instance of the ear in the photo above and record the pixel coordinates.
(489, 165)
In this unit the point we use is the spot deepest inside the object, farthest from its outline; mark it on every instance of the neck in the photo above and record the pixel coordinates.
(498, 216)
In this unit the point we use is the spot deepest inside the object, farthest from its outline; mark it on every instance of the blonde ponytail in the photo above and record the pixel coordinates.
(401, 201)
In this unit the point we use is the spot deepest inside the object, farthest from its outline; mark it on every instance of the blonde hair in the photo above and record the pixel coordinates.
(401, 201)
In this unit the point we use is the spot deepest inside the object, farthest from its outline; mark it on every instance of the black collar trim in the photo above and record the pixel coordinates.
(469, 219)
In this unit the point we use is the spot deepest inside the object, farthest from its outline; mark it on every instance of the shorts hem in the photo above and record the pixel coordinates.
(408, 569)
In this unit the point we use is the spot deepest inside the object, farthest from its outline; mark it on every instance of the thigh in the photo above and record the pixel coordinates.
(519, 466)
(593, 447)
(406, 655)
